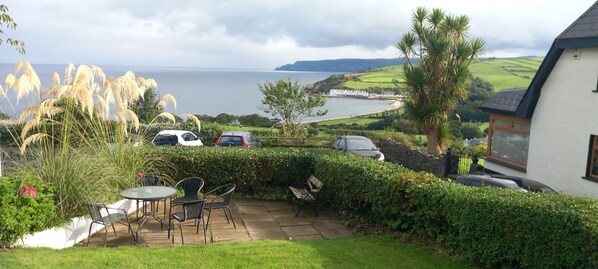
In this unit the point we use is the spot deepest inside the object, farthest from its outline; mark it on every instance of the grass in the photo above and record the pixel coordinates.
(349, 121)
(501, 73)
(360, 252)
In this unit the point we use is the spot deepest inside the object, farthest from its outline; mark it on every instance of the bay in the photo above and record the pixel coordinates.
(212, 91)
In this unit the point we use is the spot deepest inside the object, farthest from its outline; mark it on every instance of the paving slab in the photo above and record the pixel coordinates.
(255, 220)
(294, 231)
(290, 220)
(262, 226)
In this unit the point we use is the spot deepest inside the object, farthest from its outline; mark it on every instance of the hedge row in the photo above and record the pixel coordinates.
(252, 170)
(494, 227)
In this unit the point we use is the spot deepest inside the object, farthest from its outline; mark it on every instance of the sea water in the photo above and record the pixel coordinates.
(211, 91)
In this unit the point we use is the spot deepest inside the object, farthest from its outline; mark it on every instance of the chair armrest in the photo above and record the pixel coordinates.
(116, 209)
(300, 185)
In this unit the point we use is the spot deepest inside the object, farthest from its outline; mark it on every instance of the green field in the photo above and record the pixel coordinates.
(501, 73)
(348, 121)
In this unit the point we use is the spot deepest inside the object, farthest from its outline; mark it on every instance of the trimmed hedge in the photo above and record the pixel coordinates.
(490, 226)
(250, 169)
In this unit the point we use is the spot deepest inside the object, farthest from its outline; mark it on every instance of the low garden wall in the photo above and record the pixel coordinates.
(414, 159)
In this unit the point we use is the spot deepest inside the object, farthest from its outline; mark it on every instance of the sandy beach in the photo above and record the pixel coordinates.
(394, 105)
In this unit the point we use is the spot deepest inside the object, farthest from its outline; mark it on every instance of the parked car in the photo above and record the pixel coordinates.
(176, 138)
(238, 139)
(502, 181)
(358, 145)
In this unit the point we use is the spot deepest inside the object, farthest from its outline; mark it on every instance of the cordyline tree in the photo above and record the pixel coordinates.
(437, 83)
(290, 102)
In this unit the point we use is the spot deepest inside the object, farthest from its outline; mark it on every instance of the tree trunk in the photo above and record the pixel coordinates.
(433, 147)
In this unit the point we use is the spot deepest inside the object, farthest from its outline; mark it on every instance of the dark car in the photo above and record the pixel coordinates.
(502, 181)
(358, 145)
(238, 139)
(176, 138)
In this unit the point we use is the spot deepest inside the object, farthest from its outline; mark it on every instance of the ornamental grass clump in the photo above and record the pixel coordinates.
(80, 134)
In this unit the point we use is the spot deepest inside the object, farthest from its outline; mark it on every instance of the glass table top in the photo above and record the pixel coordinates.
(148, 193)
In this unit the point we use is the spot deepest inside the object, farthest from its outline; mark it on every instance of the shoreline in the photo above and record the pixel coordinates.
(396, 104)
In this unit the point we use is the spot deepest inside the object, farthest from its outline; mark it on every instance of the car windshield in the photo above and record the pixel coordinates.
(543, 189)
(231, 141)
(360, 144)
(165, 139)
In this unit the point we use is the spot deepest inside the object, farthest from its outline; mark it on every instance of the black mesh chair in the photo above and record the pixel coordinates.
(221, 197)
(191, 210)
(191, 187)
(95, 211)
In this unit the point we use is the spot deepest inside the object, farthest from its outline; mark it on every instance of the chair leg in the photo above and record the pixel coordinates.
(205, 231)
(106, 234)
(113, 229)
(300, 206)
(225, 214)
(181, 228)
(89, 234)
(231, 216)
(208, 222)
(170, 225)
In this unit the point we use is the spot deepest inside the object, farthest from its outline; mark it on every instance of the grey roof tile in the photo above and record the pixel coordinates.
(505, 100)
(585, 26)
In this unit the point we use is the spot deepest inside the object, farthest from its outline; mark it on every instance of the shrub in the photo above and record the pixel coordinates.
(253, 170)
(494, 227)
(505, 227)
(21, 213)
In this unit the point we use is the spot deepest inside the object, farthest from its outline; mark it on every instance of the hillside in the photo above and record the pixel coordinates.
(503, 73)
(339, 65)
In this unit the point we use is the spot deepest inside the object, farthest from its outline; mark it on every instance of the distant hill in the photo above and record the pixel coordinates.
(339, 65)
(502, 73)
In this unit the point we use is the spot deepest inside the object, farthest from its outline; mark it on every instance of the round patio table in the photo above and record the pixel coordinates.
(150, 194)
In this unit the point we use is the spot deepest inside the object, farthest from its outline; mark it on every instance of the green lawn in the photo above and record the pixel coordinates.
(502, 73)
(360, 252)
(349, 121)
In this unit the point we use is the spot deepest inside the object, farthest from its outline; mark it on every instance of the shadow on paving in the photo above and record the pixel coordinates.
(255, 220)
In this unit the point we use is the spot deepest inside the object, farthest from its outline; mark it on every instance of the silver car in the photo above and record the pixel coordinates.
(358, 145)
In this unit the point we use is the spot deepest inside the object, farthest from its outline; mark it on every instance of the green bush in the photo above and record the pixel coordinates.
(20, 215)
(253, 170)
(506, 227)
(495, 227)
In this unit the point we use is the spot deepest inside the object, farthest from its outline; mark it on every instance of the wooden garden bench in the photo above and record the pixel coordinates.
(307, 193)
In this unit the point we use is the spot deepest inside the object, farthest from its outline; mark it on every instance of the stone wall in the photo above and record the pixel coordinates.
(414, 159)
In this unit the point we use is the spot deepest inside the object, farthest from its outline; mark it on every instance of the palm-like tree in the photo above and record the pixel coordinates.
(438, 82)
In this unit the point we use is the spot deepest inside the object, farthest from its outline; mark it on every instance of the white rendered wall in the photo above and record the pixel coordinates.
(501, 169)
(564, 119)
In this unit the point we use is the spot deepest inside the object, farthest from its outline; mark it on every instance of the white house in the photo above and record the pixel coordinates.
(549, 131)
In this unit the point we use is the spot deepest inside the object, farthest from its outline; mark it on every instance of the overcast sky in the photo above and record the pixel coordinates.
(263, 34)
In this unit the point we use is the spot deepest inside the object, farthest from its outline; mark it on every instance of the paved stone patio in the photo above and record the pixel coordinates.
(255, 220)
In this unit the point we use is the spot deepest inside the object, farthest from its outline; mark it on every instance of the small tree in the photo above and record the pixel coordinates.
(290, 102)
(147, 108)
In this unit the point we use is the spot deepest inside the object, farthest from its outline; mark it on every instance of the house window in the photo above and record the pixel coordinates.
(509, 141)
(593, 162)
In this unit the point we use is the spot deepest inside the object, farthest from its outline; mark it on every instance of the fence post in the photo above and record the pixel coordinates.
(473, 168)
(447, 162)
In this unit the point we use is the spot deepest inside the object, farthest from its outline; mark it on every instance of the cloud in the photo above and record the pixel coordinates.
(263, 33)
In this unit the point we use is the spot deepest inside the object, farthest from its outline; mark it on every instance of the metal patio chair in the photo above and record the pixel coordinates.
(191, 187)
(95, 212)
(223, 196)
(191, 210)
